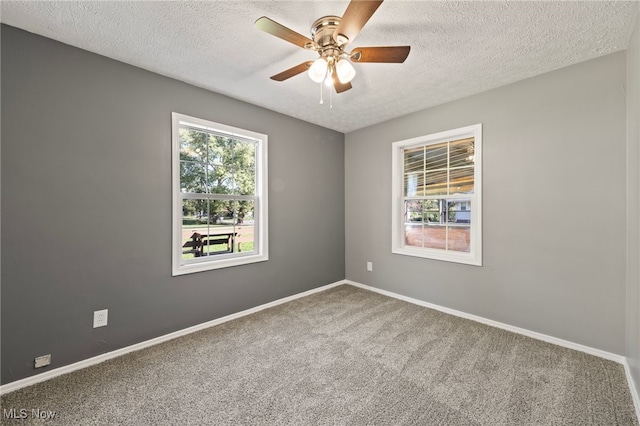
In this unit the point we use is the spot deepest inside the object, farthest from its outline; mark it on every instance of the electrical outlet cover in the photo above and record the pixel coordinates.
(43, 361)
(100, 318)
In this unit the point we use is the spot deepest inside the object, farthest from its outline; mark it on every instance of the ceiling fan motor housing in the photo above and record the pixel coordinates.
(322, 30)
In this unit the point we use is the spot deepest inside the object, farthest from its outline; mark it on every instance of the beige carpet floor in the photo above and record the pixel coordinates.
(345, 356)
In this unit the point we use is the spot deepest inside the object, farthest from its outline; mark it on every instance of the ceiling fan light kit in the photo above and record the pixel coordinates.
(345, 71)
(330, 35)
(318, 70)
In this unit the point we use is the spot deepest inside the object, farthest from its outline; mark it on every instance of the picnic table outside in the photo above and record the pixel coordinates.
(199, 241)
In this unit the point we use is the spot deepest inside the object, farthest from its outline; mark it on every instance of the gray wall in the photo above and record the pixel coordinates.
(86, 206)
(554, 206)
(633, 203)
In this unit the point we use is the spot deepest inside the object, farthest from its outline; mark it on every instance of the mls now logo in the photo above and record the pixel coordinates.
(23, 413)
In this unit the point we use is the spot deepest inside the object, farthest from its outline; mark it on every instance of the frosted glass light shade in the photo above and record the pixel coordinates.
(345, 71)
(318, 70)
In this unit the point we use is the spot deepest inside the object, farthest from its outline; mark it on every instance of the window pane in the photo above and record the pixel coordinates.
(221, 212)
(244, 168)
(220, 150)
(461, 181)
(437, 156)
(413, 235)
(434, 237)
(194, 223)
(459, 221)
(192, 177)
(436, 183)
(459, 238)
(246, 182)
(414, 184)
(413, 211)
(218, 239)
(432, 211)
(243, 212)
(245, 226)
(193, 145)
(220, 180)
(461, 153)
(459, 211)
(414, 160)
(244, 155)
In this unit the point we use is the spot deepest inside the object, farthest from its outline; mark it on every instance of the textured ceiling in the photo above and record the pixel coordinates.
(457, 48)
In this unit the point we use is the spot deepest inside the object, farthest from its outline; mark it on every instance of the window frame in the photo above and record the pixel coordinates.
(261, 245)
(398, 245)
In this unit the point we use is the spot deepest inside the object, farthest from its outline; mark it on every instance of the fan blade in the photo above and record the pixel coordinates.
(389, 54)
(339, 86)
(355, 17)
(272, 27)
(300, 68)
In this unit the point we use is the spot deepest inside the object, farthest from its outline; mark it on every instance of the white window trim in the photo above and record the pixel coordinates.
(474, 257)
(261, 247)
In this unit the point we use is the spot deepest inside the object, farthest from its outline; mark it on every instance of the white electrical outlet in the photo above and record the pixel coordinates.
(43, 361)
(369, 266)
(100, 318)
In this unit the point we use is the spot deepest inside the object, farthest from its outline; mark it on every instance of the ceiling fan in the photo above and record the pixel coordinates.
(330, 36)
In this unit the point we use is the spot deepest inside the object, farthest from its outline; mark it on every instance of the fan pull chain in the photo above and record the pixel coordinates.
(321, 101)
(330, 99)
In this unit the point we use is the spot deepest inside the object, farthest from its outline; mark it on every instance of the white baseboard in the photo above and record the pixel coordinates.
(632, 387)
(19, 384)
(539, 336)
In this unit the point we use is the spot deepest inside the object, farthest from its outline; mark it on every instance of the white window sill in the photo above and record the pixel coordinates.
(449, 256)
(208, 265)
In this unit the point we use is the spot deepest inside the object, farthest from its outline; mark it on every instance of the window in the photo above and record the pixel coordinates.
(437, 196)
(219, 195)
